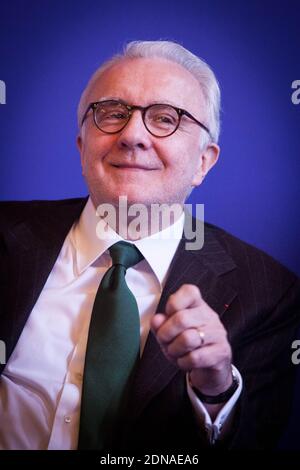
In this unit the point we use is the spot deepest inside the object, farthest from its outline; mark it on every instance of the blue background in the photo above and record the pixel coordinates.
(48, 50)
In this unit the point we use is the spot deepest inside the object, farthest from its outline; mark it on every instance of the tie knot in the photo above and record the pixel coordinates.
(125, 253)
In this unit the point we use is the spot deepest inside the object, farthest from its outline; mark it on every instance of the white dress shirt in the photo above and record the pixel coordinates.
(40, 388)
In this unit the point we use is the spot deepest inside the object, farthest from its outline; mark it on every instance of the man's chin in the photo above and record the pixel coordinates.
(134, 197)
(128, 199)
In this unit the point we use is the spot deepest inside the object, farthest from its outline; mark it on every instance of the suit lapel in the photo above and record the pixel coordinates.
(204, 269)
(33, 245)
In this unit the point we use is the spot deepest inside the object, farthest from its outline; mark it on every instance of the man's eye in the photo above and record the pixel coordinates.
(114, 115)
(163, 119)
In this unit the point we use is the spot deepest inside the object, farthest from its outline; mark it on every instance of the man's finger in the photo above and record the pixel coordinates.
(187, 296)
(191, 339)
(157, 321)
(179, 322)
(205, 358)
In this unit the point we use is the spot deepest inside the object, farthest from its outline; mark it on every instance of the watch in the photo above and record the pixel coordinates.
(222, 397)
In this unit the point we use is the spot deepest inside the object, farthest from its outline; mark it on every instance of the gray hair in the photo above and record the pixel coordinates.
(176, 53)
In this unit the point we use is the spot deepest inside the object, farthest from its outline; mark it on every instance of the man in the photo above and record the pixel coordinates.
(214, 365)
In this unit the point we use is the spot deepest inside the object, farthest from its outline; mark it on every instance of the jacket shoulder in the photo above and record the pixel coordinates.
(12, 212)
(252, 262)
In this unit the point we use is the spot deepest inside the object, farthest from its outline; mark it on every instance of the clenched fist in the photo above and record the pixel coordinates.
(192, 336)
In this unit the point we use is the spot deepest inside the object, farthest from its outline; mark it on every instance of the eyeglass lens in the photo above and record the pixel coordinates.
(160, 120)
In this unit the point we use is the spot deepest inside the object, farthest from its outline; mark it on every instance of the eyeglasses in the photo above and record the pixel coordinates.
(161, 120)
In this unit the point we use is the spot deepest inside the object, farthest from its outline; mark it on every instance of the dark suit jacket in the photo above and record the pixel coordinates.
(257, 299)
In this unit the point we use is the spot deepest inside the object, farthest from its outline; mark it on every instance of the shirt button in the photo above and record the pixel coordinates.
(67, 419)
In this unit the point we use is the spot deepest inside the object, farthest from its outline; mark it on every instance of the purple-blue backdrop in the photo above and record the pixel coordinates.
(48, 49)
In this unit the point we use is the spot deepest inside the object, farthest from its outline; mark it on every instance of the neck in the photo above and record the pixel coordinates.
(136, 221)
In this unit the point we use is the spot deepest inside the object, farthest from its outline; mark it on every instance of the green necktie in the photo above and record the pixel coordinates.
(112, 352)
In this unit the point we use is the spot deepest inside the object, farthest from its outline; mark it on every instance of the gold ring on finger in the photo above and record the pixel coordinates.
(201, 336)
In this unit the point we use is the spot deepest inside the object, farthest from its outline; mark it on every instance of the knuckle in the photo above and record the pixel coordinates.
(185, 338)
(191, 289)
(227, 351)
(193, 359)
(162, 336)
(213, 316)
(172, 301)
(180, 320)
(169, 351)
(224, 353)
(207, 360)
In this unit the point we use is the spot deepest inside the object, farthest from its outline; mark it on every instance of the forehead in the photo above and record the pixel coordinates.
(144, 81)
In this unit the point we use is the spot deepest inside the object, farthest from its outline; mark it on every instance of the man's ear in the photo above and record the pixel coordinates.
(208, 158)
(79, 144)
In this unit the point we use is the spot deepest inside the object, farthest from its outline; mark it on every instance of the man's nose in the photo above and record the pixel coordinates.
(135, 133)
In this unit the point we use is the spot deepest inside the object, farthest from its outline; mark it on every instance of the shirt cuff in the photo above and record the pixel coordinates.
(217, 429)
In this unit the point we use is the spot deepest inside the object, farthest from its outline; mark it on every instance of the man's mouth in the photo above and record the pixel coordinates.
(131, 166)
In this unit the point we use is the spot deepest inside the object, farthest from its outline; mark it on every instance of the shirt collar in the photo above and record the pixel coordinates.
(158, 249)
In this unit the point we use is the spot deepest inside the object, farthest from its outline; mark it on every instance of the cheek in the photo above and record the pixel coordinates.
(192, 157)
(94, 150)
(182, 160)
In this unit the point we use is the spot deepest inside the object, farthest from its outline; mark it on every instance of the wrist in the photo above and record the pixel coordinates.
(219, 398)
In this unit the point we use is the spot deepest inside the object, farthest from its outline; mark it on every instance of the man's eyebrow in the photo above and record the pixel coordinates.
(117, 98)
(111, 98)
(171, 103)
